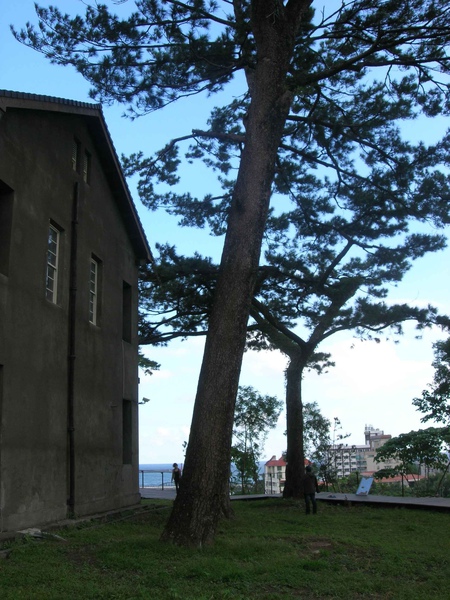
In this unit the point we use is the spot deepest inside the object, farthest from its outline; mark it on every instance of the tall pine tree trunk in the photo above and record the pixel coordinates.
(204, 491)
(295, 459)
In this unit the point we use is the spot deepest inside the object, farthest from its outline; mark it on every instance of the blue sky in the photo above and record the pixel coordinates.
(371, 383)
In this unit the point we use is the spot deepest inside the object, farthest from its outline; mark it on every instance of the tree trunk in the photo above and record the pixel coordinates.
(204, 490)
(295, 459)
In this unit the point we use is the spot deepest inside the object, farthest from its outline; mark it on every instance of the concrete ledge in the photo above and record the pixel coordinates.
(106, 517)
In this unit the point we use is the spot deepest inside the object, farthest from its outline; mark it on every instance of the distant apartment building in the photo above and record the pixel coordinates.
(274, 475)
(375, 439)
(346, 459)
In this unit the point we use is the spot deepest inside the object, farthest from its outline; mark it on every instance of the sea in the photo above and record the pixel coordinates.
(156, 475)
(160, 475)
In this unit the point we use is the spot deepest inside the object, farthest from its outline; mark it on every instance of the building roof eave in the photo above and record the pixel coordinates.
(96, 123)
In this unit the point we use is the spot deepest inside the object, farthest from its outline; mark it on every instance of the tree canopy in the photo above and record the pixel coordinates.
(435, 401)
(254, 416)
(316, 432)
(425, 446)
(320, 122)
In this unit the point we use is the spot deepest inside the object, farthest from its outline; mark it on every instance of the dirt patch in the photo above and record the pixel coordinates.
(319, 545)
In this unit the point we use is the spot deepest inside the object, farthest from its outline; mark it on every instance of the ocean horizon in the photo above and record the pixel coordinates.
(160, 474)
(157, 466)
(157, 475)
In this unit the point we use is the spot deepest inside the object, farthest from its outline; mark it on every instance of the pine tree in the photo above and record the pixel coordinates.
(313, 101)
(314, 283)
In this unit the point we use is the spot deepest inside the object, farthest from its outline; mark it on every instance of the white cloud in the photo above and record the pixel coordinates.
(265, 363)
(163, 432)
(371, 384)
(161, 374)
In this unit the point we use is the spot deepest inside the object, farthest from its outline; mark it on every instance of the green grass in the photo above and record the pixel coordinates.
(269, 550)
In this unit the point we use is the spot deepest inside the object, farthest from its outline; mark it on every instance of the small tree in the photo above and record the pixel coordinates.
(254, 416)
(316, 433)
(425, 447)
(328, 468)
(435, 402)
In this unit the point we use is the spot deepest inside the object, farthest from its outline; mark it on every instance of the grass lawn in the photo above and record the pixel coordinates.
(269, 550)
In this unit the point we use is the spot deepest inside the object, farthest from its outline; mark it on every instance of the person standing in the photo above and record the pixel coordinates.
(176, 474)
(310, 487)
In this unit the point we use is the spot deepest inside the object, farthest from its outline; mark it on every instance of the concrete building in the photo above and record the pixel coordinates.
(70, 245)
(375, 438)
(345, 459)
(274, 475)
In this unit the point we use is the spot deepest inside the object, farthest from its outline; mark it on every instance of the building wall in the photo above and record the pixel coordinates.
(275, 475)
(348, 459)
(36, 150)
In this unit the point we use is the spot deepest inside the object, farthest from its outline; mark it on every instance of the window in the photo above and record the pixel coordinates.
(86, 167)
(6, 212)
(127, 432)
(126, 312)
(93, 291)
(52, 264)
(76, 151)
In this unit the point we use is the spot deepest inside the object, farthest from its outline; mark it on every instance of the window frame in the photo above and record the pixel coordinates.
(6, 220)
(127, 312)
(86, 167)
(76, 154)
(51, 294)
(93, 290)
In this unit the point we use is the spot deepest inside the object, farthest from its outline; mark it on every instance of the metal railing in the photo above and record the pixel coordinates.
(271, 484)
(165, 482)
(150, 482)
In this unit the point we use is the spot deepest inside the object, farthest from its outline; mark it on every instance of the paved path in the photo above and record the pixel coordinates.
(408, 501)
(331, 497)
(166, 494)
